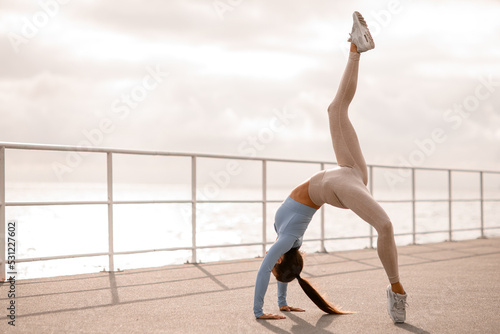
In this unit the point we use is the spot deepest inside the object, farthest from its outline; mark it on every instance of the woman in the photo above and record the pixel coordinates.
(343, 187)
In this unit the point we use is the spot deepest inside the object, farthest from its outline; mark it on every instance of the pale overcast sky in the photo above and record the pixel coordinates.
(253, 77)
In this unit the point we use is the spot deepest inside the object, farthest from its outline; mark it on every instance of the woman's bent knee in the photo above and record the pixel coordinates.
(385, 228)
(333, 108)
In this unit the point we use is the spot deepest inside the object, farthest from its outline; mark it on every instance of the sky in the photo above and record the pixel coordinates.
(253, 78)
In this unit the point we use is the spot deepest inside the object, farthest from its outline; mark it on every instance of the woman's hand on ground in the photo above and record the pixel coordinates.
(287, 308)
(271, 316)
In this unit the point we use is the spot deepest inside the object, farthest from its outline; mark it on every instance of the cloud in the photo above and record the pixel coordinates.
(226, 76)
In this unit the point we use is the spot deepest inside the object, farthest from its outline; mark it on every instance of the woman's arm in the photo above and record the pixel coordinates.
(282, 287)
(280, 247)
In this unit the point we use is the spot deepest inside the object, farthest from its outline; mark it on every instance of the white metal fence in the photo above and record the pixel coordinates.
(194, 201)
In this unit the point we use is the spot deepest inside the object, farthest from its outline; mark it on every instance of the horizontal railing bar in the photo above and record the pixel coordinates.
(229, 201)
(466, 229)
(219, 202)
(60, 257)
(437, 231)
(347, 238)
(445, 200)
(40, 147)
(187, 201)
(199, 201)
(466, 200)
(435, 169)
(239, 201)
(190, 248)
(435, 200)
(153, 250)
(19, 146)
(445, 231)
(426, 200)
(54, 203)
(234, 245)
(135, 202)
(408, 233)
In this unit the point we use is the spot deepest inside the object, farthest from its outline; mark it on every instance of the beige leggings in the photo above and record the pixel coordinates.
(354, 195)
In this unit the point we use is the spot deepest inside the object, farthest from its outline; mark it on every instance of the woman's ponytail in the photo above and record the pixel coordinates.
(290, 269)
(317, 298)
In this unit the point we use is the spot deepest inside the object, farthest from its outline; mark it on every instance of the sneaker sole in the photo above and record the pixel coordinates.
(361, 23)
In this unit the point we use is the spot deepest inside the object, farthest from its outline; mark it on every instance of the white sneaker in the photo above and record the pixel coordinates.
(360, 35)
(396, 305)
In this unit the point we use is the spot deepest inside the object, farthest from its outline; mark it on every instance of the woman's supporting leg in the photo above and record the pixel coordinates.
(362, 203)
(344, 138)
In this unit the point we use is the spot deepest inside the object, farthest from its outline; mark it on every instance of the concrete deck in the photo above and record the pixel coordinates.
(453, 288)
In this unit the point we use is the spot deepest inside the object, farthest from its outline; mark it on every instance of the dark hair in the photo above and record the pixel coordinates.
(290, 268)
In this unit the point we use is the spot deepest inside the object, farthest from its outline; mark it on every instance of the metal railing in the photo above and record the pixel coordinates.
(194, 201)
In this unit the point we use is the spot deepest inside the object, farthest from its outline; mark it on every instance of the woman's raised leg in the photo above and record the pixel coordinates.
(344, 138)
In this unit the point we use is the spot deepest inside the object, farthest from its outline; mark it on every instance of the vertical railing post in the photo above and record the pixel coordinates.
(264, 207)
(2, 214)
(481, 196)
(413, 208)
(371, 191)
(110, 211)
(450, 225)
(322, 247)
(193, 209)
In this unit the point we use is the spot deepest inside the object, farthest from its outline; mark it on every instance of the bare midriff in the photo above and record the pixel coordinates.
(301, 195)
